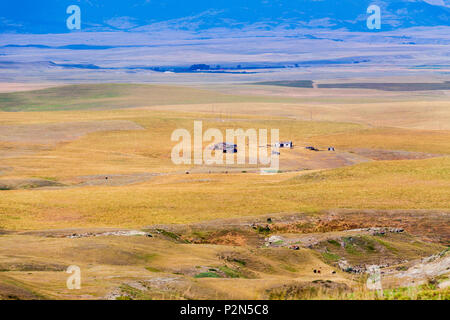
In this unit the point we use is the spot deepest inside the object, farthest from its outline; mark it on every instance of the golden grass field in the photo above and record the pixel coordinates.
(59, 145)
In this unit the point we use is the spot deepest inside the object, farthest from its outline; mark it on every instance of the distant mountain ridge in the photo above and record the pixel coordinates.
(30, 16)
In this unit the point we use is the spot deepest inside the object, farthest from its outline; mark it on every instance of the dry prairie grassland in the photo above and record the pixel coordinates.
(110, 264)
(419, 114)
(83, 159)
(410, 184)
(112, 96)
(125, 151)
(187, 198)
(166, 267)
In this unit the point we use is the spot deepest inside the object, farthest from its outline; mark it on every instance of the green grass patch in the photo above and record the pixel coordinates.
(238, 261)
(387, 245)
(334, 242)
(368, 244)
(152, 269)
(114, 96)
(209, 274)
(329, 256)
(171, 235)
(147, 257)
(124, 298)
(230, 273)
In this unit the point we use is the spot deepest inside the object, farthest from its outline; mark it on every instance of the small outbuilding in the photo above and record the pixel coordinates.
(225, 147)
(284, 144)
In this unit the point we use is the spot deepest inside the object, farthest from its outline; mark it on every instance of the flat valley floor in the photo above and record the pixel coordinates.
(86, 179)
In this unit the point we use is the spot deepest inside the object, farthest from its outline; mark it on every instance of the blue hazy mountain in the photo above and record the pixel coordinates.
(49, 16)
